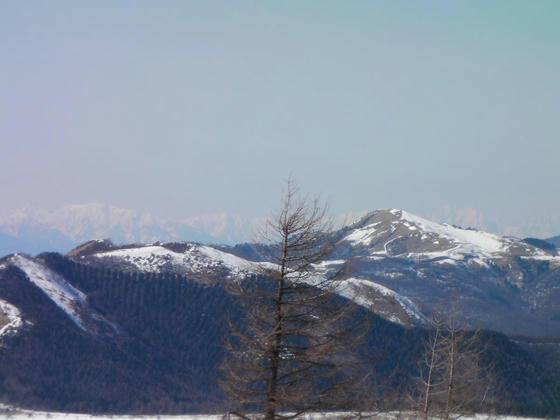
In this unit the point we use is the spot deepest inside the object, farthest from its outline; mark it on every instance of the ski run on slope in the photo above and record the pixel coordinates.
(66, 297)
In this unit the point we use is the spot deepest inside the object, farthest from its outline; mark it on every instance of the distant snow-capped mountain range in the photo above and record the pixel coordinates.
(37, 230)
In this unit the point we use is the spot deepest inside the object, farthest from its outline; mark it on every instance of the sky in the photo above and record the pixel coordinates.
(181, 108)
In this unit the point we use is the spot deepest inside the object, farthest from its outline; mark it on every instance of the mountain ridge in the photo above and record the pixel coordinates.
(405, 264)
(401, 257)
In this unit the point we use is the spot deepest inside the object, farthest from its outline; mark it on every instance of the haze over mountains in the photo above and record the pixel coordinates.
(36, 230)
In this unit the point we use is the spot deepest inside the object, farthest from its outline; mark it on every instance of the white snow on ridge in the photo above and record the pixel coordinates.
(66, 297)
(146, 258)
(198, 257)
(14, 318)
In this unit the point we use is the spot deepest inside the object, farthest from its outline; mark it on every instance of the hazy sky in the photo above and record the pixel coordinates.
(188, 107)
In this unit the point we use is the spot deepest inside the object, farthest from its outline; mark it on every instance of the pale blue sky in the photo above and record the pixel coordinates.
(188, 107)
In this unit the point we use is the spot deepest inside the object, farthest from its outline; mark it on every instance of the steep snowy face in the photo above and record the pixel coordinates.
(397, 233)
(66, 297)
(382, 300)
(69, 299)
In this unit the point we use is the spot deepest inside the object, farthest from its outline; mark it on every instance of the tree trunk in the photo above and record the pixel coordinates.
(428, 395)
(270, 409)
(451, 378)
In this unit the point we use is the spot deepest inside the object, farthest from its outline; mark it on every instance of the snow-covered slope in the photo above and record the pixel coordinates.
(382, 300)
(467, 240)
(69, 299)
(66, 297)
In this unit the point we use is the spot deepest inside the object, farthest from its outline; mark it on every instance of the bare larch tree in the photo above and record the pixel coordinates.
(452, 380)
(294, 352)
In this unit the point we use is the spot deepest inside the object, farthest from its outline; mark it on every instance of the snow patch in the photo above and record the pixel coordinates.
(554, 260)
(13, 314)
(348, 286)
(363, 235)
(231, 261)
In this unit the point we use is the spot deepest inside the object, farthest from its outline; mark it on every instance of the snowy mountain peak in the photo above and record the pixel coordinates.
(397, 233)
